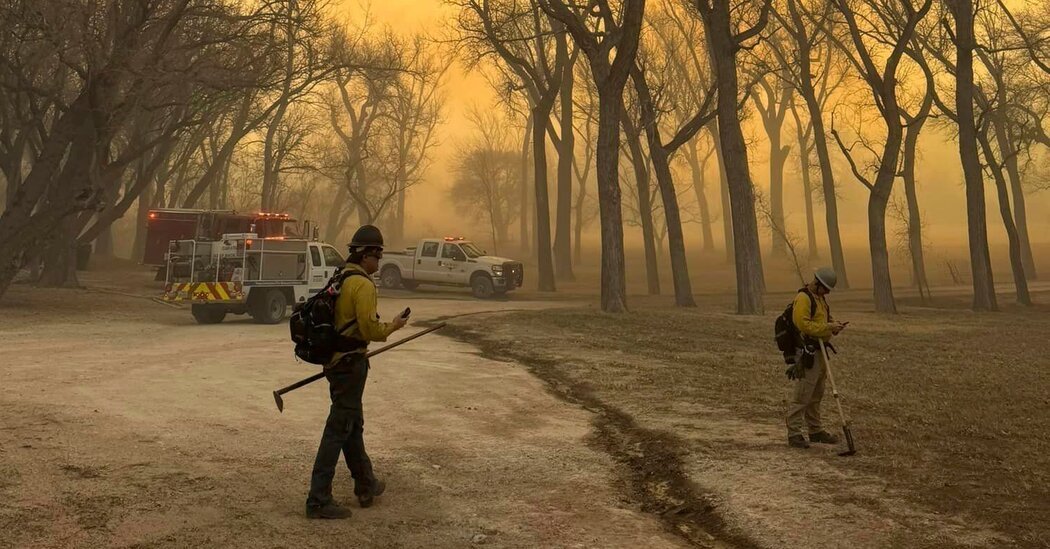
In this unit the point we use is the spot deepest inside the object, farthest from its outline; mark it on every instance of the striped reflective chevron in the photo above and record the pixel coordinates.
(201, 292)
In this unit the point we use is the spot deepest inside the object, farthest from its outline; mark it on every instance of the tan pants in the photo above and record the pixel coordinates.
(804, 403)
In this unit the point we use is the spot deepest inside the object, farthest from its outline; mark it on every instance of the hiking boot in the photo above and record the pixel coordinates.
(368, 498)
(797, 441)
(329, 511)
(823, 437)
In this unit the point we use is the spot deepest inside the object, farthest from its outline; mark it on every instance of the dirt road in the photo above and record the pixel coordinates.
(126, 424)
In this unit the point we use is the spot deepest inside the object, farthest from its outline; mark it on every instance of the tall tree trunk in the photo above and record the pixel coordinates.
(1016, 257)
(645, 206)
(699, 187)
(915, 242)
(104, 242)
(747, 255)
(578, 223)
(807, 195)
(980, 260)
(566, 150)
(525, 184)
(878, 201)
(827, 181)
(1020, 208)
(60, 258)
(333, 227)
(614, 287)
(660, 158)
(541, 117)
(138, 247)
(23, 224)
(683, 290)
(723, 193)
(398, 228)
(778, 157)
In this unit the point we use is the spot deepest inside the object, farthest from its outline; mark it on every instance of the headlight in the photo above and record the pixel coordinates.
(497, 270)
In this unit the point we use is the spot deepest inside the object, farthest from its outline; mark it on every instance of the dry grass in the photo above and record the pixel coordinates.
(949, 407)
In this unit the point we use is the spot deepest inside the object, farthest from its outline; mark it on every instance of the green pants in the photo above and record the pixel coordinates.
(803, 413)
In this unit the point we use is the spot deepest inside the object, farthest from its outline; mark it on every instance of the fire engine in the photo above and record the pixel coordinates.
(247, 273)
(166, 224)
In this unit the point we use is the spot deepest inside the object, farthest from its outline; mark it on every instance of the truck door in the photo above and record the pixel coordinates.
(317, 275)
(333, 261)
(455, 263)
(428, 266)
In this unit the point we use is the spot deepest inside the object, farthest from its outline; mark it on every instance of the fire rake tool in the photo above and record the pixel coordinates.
(320, 375)
(838, 403)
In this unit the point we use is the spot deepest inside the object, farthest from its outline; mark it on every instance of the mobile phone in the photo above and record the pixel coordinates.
(407, 311)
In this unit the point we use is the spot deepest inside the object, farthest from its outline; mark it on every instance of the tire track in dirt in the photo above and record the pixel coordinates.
(651, 472)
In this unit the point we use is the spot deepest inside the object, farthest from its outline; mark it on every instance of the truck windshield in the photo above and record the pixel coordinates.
(471, 250)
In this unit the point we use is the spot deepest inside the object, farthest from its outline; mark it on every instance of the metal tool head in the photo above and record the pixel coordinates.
(849, 442)
(280, 401)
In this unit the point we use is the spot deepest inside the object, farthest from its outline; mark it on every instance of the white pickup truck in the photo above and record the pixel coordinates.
(450, 262)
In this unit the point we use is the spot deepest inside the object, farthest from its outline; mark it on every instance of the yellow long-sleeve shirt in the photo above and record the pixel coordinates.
(358, 301)
(818, 325)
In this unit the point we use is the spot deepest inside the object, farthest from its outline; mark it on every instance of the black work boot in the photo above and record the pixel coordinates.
(823, 437)
(331, 510)
(366, 499)
(797, 441)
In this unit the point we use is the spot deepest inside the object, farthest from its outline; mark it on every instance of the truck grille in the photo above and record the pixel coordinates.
(514, 272)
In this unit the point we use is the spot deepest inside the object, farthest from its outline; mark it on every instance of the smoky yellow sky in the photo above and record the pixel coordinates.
(939, 172)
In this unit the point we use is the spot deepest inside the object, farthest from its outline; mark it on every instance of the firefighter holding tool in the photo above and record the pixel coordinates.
(812, 322)
(358, 324)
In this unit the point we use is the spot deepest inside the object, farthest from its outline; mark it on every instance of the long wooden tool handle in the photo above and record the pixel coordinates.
(320, 375)
(831, 380)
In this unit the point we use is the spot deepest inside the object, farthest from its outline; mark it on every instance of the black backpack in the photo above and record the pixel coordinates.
(785, 332)
(312, 325)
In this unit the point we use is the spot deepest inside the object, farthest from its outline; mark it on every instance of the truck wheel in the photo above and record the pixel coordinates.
(270, 308)
(481, 285)
(208, 314)
(391, 277)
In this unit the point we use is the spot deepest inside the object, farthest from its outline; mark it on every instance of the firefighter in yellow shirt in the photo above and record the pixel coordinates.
(355, 313)
(803, 414)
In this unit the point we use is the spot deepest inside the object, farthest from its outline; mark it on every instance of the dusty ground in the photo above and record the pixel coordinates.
(127, 425)
(949, 411)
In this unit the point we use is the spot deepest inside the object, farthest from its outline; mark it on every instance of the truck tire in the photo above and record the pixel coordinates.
(481, 286)
(208, 314)
(391, 277)
(270, 307)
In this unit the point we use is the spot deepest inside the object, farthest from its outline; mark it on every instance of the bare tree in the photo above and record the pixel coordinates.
(642, 191)
(586, 113)
(415, 110)
(609, 39)
(144, 57)
(487, 175)
(534, 54)
(883, 24)
(772, 105)
(804, 139)
(721, 21)
(808, 25)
